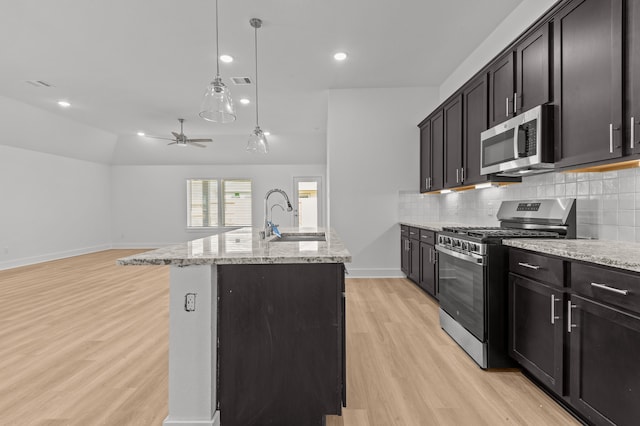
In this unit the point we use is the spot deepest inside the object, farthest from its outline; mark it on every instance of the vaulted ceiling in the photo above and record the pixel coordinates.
(138, 65)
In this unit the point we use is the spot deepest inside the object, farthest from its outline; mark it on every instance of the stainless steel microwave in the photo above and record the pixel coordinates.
(521, 145)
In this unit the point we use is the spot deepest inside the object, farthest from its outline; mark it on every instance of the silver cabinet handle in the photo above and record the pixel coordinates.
(462, 174)
(569, 325)
(526, 265)
(553, 309)
(611, 289)
(457, 175)
(507, 106)
(611, 137)
(426, 183)
(633, 131)
(515, 102)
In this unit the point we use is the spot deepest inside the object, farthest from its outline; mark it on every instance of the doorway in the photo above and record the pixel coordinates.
(307, 202)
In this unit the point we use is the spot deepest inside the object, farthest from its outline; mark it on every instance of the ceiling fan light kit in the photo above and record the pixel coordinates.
(180, 139)
(217, 105)
(257, 140)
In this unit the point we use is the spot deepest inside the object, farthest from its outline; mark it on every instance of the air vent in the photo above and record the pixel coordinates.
(241, 81)
(39, 83)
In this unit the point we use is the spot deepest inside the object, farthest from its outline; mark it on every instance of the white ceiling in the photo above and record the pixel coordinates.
(130, 65)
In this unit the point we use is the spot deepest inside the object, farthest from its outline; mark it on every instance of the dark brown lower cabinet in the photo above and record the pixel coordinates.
(605, 363)
(281, 343)
(536, 332)
(414, 263)
(428, 269)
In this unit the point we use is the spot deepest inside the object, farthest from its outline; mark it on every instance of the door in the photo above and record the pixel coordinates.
(536, 330)
(307, 202)
(414, 260)
(605, 373)
(437, 151)
(453, 143)
(501, 89)
(533, 70)
(475, 109)
(425, 156)
(588, 81)
(633, 77)
(427, 268)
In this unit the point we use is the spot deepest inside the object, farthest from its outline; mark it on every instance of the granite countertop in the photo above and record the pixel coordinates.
(244, 246)
(617, 254)
(432, 226)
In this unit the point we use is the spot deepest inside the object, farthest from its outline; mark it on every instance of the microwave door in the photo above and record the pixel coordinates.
(520, 147)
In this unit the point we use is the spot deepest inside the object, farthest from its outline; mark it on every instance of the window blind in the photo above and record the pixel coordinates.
(237, 202)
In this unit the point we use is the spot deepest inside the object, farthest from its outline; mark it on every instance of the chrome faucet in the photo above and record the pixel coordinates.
(268, 225)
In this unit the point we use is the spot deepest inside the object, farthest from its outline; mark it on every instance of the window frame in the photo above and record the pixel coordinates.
(220, 203)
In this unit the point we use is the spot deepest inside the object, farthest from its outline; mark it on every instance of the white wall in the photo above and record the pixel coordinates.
(149, 202)
(373, 151)
(509, 29)
(51, 207)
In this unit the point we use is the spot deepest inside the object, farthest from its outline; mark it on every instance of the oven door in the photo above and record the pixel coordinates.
(462, 289)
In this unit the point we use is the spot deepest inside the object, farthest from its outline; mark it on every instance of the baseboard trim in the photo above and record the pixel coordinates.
(26, 261)
(150, 246)
(215, 421)
(374, 272)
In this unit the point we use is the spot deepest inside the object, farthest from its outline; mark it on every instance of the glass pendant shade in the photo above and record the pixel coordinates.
(217, 105)
(258, 142)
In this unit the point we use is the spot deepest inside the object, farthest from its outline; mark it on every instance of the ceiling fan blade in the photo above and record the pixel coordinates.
(199, 140)
(176, 135)
(159, 137)
(199, 145)
(173, 143)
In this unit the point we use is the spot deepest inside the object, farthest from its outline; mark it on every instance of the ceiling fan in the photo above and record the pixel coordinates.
(182, 140)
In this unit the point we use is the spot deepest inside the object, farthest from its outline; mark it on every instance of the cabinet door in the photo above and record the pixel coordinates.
(437, 151)
(404, 255)
(533, 70)
(588, 81)
(475, 107)
(425, 156)
(501, 89)
(632, 143)
(605, 372)
(427, 268)
(414, 260)
(536, 330)
(453, 142)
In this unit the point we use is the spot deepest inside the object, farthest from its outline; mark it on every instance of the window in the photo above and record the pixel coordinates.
(218, 202)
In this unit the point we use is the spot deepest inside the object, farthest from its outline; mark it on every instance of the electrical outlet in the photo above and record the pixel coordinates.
(190, 302)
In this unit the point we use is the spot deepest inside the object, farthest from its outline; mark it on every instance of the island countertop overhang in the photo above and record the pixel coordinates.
(244, 246)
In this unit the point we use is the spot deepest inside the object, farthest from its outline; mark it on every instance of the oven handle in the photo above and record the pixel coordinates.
(473, 258)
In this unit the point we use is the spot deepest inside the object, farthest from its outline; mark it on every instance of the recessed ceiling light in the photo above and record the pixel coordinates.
(64, 104)
(267, 133)
(226, 58)
(340, 56)
(140, 133)
(245, 101)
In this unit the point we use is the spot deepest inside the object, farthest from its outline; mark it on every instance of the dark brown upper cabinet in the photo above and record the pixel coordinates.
(453, 167)
(501, 89)
(533, 70)
(474, 121)
(632, 143)
(432, 152)
(587, 38)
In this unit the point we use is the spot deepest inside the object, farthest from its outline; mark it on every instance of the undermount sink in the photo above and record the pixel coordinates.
(302, 236)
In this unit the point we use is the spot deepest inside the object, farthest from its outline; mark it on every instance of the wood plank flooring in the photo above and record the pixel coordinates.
(84, 342)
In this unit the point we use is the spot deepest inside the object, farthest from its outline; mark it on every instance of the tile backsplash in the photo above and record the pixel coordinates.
(608, 203)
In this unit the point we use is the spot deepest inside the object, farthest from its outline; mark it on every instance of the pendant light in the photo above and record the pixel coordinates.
(257, 140)
(217, 105)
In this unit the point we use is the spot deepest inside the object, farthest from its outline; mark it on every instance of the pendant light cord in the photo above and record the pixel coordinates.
(256, 58)
(217, 43)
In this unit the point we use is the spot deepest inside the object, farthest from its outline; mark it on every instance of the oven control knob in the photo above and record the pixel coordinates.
(465, 246)
(473, 247)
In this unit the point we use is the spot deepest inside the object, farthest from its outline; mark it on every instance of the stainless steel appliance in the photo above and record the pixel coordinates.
(519, 146)
(473, 265)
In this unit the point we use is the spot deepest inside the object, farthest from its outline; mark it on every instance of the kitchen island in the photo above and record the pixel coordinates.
(256, 327)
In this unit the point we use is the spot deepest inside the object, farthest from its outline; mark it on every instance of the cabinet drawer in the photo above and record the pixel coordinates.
(404, 230)
(536, 266)
(428, 237)
(414, 233)
(607, 285)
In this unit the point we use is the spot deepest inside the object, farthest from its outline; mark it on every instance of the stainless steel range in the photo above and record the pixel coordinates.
(473, 267)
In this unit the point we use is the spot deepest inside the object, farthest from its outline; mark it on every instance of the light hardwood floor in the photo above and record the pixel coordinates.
(84, 342)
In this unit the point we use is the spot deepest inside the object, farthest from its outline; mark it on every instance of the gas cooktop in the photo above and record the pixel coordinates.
(483, 232)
